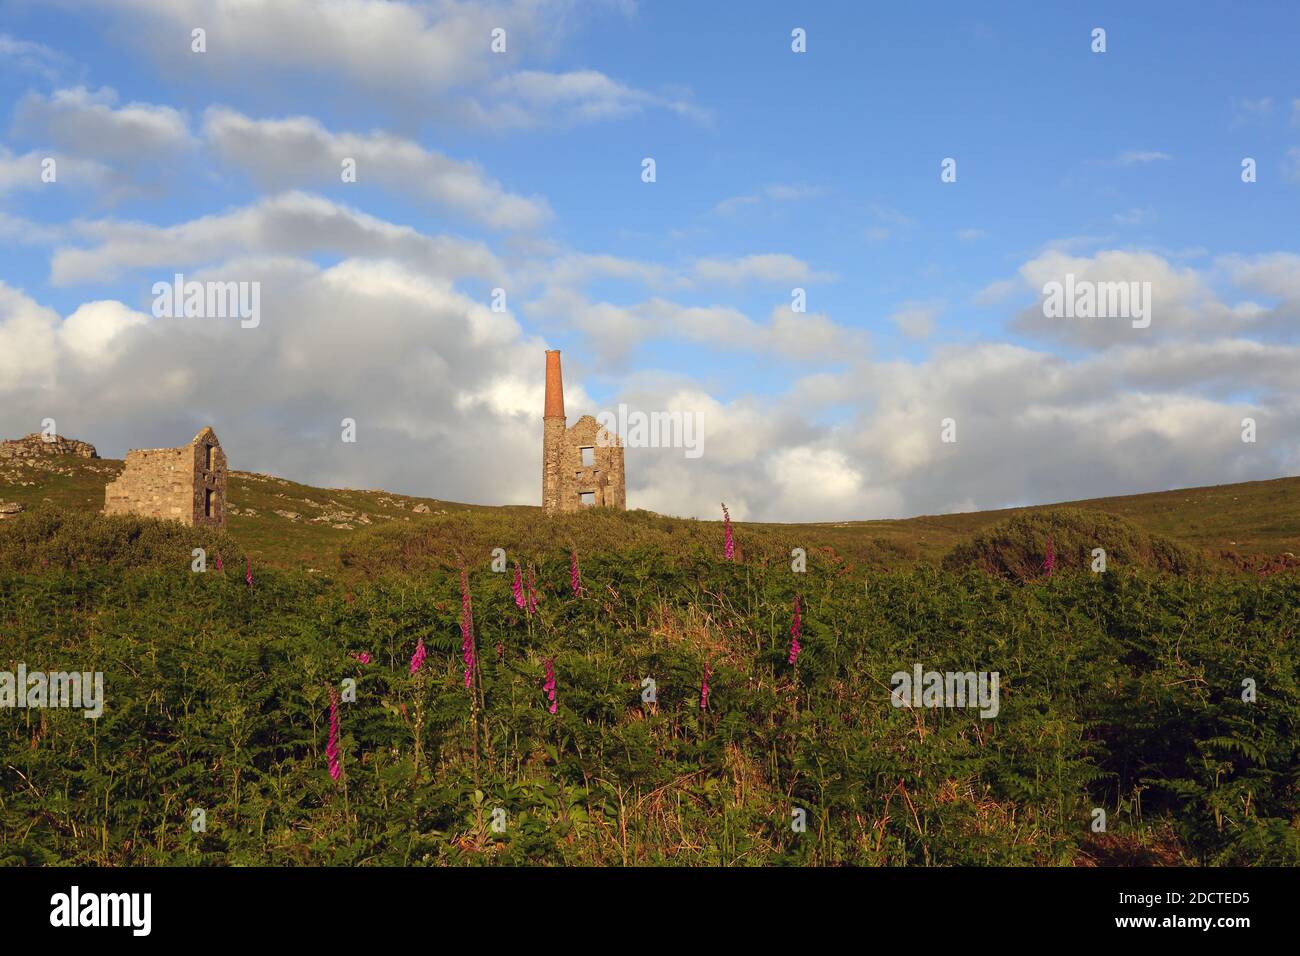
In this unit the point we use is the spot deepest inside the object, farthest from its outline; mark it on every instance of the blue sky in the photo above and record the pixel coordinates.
(825, 164)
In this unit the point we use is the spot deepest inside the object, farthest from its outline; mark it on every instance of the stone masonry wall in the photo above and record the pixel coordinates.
(173, 483)
(603, 477)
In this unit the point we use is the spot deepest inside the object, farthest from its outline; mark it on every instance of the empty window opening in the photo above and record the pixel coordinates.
(212, 457)
(209, 501)
(588, 457)
(588, 498)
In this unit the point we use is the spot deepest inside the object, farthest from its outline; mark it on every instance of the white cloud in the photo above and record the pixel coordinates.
(535, 97)
(770, 267)
(89, 332)
(1134, 157)
(293, 224)
(916, 319)
(435, 58)
(431, 376)
(774, 192)
(25, 171)
(997, 291)
(91, 124)
(1181, 302)
(34, 57)
(613, 331)
(299, 151)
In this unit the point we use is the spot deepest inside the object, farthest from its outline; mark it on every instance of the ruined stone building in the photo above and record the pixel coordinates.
(185, 484)
(582, 466)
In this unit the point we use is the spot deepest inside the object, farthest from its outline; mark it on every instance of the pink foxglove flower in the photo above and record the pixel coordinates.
(1049, 562)
(549, 685)
(363, 657)
(218, 562)
(729, 544)
(248, 573)
(466, 629)
(332, 752)
(795, 631)
(417, 659)
(533, 599)
(575, 577)
(704, 689)
(518, 588)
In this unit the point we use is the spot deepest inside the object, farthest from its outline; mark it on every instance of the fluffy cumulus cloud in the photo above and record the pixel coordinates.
(1177, 302)
(431, 377)
(613, 331)
(292, 224)
(24, 171)
(92, 124)
(438, 56)
(299, 151)
(842, 443)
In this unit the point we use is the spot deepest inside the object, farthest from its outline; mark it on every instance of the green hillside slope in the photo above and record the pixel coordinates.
(288, 524)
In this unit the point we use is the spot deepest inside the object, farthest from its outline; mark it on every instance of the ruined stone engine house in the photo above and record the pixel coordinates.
(582, 466)
(185, 484)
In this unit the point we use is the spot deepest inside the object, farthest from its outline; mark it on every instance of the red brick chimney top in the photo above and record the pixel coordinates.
(554, 386)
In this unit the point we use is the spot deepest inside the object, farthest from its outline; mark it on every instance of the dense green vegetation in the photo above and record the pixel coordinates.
(1120, 690)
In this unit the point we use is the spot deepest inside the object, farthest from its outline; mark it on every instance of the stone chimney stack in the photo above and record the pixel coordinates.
(553, 434)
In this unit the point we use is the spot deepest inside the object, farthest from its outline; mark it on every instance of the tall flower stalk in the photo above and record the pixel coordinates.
(248, 571)
(469, 658)
(417, 659)
(466, 630)
(533, 598)
(517, 589)
(549, 684)
(728, 543)
(332, 753)
(704, 689)
(575, 575)
(1049, 562)
(795, 631)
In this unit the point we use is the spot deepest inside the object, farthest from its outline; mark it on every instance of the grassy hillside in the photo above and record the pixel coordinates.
(286, 524)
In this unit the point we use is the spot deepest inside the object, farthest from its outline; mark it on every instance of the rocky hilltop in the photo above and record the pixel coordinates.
(36, 445)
